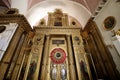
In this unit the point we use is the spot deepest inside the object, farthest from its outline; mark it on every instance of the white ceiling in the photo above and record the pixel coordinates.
(40, 10)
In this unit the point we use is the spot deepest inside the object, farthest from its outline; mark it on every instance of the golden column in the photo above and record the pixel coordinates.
(77, 62)
(70, 59)
(27, 67)
(45, 58)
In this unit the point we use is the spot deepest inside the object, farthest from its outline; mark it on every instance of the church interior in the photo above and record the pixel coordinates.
(59, 40)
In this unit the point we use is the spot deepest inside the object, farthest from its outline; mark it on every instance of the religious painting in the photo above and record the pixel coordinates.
(83, 69)
(32, 70)
(109, 23)
(33, 66)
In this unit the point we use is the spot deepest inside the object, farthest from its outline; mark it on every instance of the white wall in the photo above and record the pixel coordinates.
(6, 36)
(20, 4)
(111, 8)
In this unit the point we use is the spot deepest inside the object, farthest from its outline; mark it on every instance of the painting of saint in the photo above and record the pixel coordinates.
(83, 69)
(32, 69)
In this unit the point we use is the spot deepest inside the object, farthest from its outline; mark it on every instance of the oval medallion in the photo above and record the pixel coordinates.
(58, 55)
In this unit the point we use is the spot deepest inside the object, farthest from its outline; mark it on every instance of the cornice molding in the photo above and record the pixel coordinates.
(54, 27)
(15, 18)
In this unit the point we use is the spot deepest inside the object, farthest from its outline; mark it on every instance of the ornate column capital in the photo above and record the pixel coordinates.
(47, 36)
(68, 35)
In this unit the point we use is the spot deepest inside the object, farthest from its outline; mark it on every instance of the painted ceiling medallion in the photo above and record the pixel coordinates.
(58, 56)
(109, 23)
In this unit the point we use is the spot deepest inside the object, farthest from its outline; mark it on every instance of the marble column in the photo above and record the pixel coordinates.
(70, 59)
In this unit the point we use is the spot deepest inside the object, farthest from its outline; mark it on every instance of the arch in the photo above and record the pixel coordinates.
(72, 8)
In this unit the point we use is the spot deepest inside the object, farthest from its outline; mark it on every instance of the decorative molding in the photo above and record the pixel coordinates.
(15, 18)
(59, 27)
(58, 31)
(11, 11)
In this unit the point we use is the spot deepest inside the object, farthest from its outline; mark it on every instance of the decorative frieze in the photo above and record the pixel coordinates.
(58, 31)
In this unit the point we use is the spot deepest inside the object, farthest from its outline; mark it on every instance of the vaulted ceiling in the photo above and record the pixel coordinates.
(89, 4)
(34, 10)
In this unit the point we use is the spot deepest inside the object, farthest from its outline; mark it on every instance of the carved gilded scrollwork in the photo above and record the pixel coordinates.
(42, 22)
(118, 32)
(38, 40)
(35, 49)
(12, 11)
